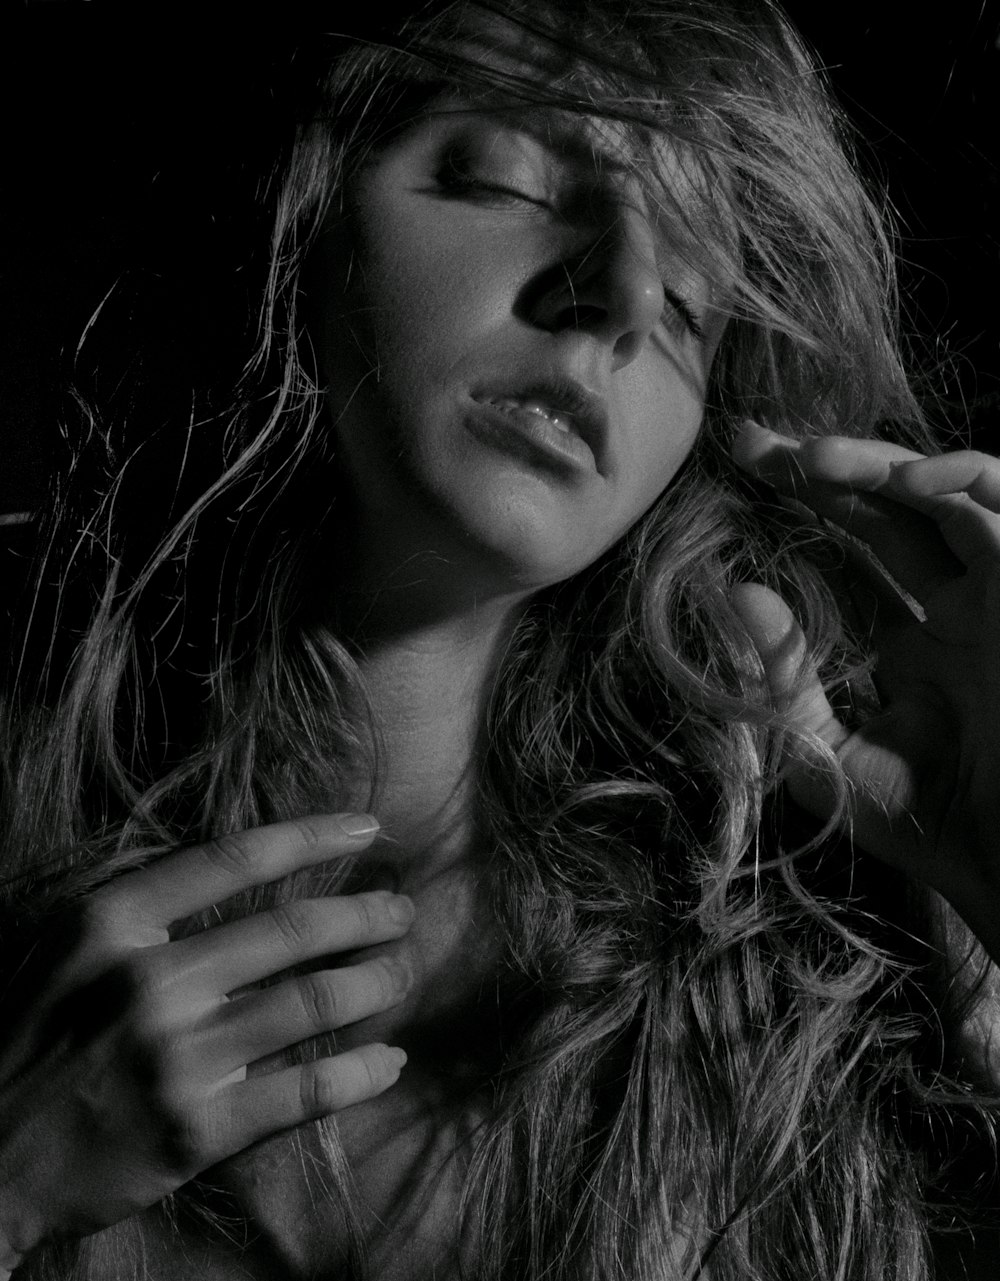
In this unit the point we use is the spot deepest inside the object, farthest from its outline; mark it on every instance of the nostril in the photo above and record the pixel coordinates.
(626, 348)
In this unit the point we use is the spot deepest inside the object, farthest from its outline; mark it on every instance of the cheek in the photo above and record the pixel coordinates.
(427, 282)
(656, 477)
(667, 413)
(390, 336)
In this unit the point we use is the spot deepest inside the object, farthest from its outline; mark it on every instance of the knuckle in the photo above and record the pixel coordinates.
(97, 921)
(306, 834)
(373, 1066)
(321, 1001)
(369, 915)
(233, 855)
(186, 1137)
(137, 987)
(295, 924)
(136, 998)
(317, 1090)
(158, 1059)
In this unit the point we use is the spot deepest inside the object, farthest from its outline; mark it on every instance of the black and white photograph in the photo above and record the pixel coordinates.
(500, 631)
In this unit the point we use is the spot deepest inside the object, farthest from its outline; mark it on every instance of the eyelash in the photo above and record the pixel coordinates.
(685, 311)
(458, 184)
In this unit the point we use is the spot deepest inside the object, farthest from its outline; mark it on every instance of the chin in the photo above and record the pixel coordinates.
(529, 562)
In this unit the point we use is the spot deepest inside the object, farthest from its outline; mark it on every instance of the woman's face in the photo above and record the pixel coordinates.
(516, 358)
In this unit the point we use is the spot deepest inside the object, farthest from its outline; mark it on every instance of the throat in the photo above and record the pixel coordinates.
(375, 1193)
(428, 694)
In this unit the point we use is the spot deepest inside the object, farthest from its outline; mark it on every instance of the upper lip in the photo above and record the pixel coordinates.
(566, 397)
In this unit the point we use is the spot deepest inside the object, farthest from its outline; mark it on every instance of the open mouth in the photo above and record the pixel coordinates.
(510, 404)
(559, 408)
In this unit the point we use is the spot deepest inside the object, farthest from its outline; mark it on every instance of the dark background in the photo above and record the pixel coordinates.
(97, 113)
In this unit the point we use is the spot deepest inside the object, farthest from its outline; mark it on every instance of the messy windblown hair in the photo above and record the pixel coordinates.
(719, 1055)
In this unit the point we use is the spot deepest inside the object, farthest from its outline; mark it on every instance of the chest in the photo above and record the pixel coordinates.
(403, 1155)
(278, 1219)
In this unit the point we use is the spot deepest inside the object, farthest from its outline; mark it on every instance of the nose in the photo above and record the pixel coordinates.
(611, 288)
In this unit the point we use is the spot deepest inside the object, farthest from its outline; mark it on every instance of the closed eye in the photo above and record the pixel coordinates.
(685, 312)
(465, 186)
(495, 167)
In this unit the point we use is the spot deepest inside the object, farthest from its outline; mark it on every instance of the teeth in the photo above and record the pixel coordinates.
(536, 407)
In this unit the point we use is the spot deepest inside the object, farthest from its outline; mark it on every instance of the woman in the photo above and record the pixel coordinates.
(472, 691)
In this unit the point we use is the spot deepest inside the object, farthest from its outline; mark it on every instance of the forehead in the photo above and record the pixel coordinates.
(548, 47)
(562, 100)
(594, 94)
(606, 115)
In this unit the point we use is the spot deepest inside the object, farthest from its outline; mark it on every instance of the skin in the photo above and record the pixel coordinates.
(513, 274)
(481, 249)
(924, 771)
(563, 283)
(126, 1073)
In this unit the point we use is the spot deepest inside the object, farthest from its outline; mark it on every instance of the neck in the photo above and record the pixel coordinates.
(429, 678)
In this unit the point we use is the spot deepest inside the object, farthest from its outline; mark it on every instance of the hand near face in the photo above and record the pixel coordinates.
(122, 1072)
(925, 772)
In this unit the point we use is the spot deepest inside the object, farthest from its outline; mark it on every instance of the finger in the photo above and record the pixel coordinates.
(919, 515)
(796, 690)
(193, 879)
(872, 759)
(961, 493)
(850, 483)
(966, 471)
(241, 952)
(793, 681)
(787, 462)
(265, 1022)
(245, 1113)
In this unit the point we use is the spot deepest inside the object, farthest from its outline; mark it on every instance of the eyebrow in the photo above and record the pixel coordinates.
(571, 141)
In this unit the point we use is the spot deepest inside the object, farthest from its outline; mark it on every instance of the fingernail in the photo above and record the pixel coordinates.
(358, 824)
(395, 1057)
(400, 908)
(769, 434)
(400, 973)
(754, 446)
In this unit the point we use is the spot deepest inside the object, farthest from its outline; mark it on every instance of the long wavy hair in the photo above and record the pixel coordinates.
(721, 1051)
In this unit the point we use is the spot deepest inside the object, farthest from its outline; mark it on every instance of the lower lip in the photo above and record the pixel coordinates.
(540, 439)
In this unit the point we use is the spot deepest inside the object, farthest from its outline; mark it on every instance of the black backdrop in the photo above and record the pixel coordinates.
(97, 110)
